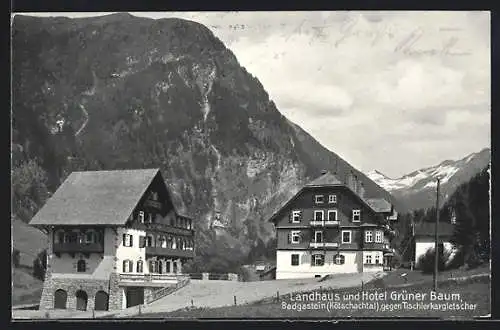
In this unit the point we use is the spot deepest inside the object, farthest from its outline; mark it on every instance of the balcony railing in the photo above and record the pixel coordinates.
(78, 247)
(149, 279)
(321, 245)
(168, 252)
(324, 223)
(152, 204)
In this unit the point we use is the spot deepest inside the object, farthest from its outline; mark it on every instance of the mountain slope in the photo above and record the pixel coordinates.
(119, 91)
(418, 189)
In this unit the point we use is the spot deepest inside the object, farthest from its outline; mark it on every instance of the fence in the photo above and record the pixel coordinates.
(214, 276)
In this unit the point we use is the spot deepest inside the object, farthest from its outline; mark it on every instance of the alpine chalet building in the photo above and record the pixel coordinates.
(116, 240)
(330, 227)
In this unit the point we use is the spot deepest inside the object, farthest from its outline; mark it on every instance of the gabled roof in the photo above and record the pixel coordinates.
(379, 205)
(428, 229)
(327, 179)
(95, 198)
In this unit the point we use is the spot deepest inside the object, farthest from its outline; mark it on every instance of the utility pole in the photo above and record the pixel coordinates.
(436, 244)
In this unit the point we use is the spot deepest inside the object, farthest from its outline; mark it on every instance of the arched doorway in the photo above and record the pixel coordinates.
(81, 300)
(101, 301)
(60, 298)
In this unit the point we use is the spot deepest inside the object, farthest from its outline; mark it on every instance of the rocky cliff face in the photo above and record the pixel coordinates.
(119, 91)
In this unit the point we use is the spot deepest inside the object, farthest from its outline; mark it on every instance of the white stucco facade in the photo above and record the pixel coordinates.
(305, 269)
(133, 253)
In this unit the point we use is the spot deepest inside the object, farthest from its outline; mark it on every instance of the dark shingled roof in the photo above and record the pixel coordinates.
(95, 198)
(379, 205)
(428, 228)
(327, 179)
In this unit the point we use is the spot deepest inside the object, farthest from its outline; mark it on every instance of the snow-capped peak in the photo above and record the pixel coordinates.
(425, 178)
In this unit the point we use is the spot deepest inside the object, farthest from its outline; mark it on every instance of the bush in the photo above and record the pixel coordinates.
(16, 258)
(426, 261)
(40, 265)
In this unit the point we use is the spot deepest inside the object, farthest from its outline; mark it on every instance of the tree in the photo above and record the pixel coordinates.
(29, 189)
(40, 265)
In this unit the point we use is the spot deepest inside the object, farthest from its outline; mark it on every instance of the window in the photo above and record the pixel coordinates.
(356, 215)
(139, 266)
(332, 199)
(59, 237)
(295, 259)
(152, 266)
(89, 237)
(318, 236)
(295, 237)
(154, 196)
(319, 215)
(142, 241)
(168, 267)
(318, 260)
(368, 259)
(150, 218)
(81, 266)
(72, 237)
(296, 216)
(319, 199)
(174, 270)
(339, 259)
(162, 241)
(141, 216)
(128, 266)
(127, 240)
(159, 267)
(377, 259)
(346, 236)
(368, 236)
(332, 215)
(379, 236)
(149, 240)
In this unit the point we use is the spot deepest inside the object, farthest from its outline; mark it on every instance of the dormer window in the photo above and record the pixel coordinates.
(332, 199)
(141, 216)
(296, 216)
(356, 215)
(319, 199)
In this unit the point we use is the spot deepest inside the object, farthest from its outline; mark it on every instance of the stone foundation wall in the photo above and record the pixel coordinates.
(116, 293)
(71, 286)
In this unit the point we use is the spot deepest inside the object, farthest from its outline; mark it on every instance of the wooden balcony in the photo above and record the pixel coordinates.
(159, 280)
(324, 223)
(323, 245)
(149, 203)
(78, 247)
(167, 252)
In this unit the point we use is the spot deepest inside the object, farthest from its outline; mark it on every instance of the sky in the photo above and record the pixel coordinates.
(394, 91)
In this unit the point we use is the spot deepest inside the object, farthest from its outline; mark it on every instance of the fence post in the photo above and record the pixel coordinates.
(234, 300)
(140, 311)
(93, 313)
(192, 303)
(278, 296)
(362, 285)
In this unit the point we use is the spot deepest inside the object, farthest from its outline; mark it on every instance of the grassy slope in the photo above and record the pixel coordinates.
(473, 291)
(25, 288)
